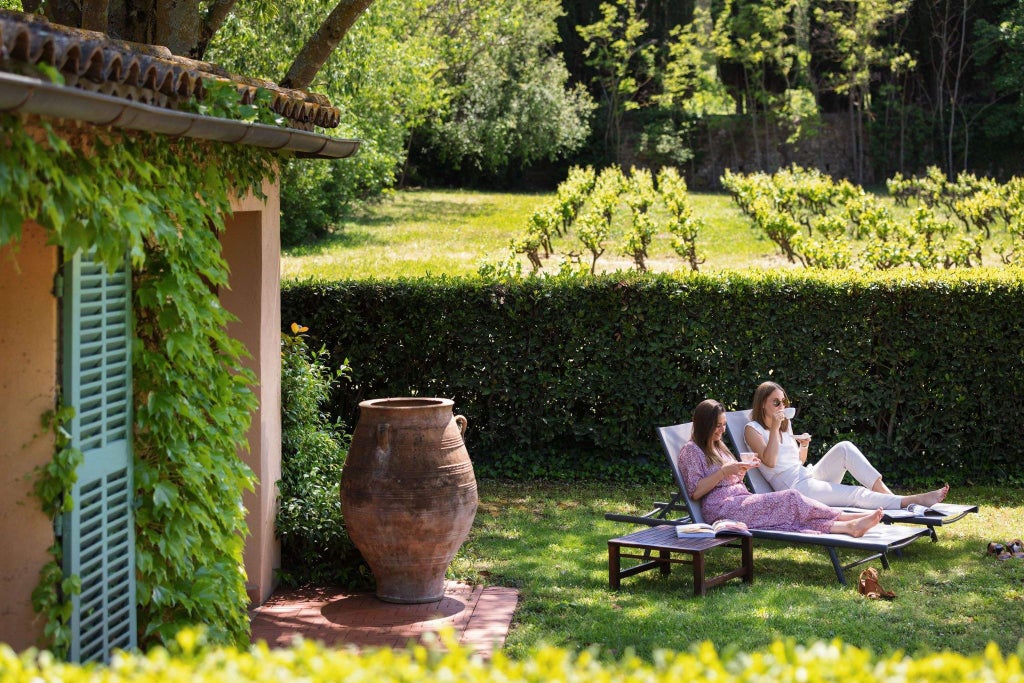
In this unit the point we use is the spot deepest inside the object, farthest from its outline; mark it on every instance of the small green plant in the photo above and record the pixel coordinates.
(315, 546)
(684, 226)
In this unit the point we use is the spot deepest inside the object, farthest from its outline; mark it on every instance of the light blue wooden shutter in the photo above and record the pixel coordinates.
(98, 534)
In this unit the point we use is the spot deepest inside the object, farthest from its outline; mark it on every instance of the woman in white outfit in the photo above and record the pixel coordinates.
(783, 461)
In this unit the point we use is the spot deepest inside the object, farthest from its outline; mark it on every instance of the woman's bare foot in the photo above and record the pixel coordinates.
(927, 499)
(859, 525)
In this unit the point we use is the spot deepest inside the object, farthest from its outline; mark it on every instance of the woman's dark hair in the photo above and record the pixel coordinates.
(761, 394)
(705, 421)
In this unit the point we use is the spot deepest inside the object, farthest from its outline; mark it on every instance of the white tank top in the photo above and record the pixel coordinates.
(788, 469)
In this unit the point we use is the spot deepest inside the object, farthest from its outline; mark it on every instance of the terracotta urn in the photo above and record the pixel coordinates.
(408, 494)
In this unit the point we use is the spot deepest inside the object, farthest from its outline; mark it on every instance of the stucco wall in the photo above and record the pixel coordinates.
(28, 385)
(252, 247)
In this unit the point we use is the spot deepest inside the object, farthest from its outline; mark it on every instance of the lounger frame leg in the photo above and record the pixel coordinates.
(836, 565)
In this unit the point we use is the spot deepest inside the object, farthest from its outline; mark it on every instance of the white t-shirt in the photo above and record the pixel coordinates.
(788, 469)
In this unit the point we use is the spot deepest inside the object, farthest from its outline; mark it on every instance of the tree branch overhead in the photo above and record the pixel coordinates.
(321, 44)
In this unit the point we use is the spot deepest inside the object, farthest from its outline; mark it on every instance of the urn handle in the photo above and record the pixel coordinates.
(461, 421)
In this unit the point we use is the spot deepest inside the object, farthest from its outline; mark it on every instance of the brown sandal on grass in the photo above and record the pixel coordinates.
(999, 550)
(869, 587)
(1016, 548)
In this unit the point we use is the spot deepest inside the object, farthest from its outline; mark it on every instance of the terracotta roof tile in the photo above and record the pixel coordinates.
(142, 73)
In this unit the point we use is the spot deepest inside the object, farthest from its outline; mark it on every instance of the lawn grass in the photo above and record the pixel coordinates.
(433, 232)
(549, 540)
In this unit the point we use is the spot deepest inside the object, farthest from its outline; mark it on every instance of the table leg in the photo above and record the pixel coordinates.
(614, 562)
(665, 567)
(698, 573)
(748, 559)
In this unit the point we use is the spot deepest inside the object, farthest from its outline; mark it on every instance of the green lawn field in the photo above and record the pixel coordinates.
(453, 232)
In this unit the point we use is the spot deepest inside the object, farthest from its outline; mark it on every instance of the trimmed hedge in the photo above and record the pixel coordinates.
(308, 661)
(568, 377)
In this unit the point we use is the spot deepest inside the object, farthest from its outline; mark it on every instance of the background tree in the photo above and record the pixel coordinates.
(382, 78)
(848, 36)
(507, 102)
(623, 57)
(1002, 55)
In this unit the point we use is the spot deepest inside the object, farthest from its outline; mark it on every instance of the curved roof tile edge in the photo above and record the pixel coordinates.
(92, 57)
(21, 94)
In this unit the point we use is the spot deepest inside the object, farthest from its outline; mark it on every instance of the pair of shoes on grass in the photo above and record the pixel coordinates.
(1004, 552)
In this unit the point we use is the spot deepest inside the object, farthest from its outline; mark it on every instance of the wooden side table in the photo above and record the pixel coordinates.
(663, 540)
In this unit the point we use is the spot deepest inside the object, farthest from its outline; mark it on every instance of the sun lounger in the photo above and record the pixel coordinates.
(877, 542)
(737, 420)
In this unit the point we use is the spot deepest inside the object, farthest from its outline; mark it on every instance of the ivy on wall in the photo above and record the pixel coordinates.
(164, 201)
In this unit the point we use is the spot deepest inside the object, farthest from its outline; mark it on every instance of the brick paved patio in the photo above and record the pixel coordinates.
(480, 617)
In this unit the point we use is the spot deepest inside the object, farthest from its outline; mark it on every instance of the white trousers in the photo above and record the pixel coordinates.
(824, 477)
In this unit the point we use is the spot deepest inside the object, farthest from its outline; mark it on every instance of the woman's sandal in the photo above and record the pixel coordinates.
(1016, 548)
(999, 550)
(869, 587)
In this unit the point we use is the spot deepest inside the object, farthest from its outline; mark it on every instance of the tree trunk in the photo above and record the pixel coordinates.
(216, 15)
(321, 44)
(178, 26)
(94, 15)
(66, 12)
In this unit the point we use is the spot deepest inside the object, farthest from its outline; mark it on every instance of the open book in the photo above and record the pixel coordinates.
(723, 527)
(913, 510)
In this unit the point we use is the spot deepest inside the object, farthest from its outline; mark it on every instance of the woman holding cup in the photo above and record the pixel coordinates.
(783, 457)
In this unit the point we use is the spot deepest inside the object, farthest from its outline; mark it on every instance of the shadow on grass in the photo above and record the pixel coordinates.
(418, 210)
(358, 230)
(340, 238)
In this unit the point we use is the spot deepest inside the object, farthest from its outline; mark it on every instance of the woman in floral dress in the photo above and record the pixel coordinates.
(713, 476)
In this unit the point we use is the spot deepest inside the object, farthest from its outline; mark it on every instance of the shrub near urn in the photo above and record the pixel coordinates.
(409, 494)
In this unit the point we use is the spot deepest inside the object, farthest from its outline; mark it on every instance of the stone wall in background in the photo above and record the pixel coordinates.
(733, 142)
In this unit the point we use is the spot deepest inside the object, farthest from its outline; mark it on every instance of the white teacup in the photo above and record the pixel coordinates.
(747, 457)
(790, 413)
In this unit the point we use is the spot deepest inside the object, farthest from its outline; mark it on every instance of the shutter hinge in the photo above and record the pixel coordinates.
(58, 285)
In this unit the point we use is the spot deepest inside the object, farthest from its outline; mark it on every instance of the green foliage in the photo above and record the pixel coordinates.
(53, 488)
(591, 206)
(855, 51)
(847, 227)
(381, 77)
(640, 197)
(164, 202)
(190, 659)
(682, 223)
(222, 99)
(1002, 52)
(475, 83)
(566, 377)
(508, 100)
(624, 60)
(315, 547)
(690, 81)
